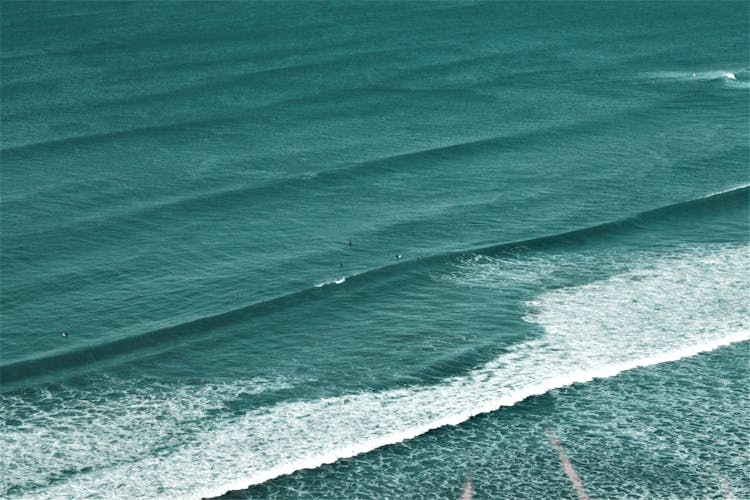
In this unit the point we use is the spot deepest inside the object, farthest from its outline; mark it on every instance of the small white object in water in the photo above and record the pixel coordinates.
(730, 76)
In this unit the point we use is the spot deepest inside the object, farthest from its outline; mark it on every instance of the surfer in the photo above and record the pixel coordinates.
(350, 242)
(64, 334)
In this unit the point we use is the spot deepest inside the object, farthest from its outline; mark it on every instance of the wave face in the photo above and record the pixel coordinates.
(354, 252)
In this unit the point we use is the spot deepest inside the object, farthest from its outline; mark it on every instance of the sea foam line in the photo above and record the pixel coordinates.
(224, 446)
(458, 418)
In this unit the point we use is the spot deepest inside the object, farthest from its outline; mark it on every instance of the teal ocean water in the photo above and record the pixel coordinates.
(361, 250)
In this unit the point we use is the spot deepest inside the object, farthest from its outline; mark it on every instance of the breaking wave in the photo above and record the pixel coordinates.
(658, 308)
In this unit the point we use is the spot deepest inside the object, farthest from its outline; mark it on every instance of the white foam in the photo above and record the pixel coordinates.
(47, 436)
(659, 308)
(741, 186)
(729, 79)
(332, 282)
(685, 75)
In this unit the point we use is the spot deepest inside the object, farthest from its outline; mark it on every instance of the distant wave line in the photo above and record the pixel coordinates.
(732, 195)
(209, 84)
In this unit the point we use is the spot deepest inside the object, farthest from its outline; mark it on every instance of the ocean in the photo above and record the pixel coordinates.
(341, 250)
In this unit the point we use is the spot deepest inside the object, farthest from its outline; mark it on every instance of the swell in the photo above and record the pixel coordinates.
(203, 30)
(219, 74)
(410, 160)
(360, 172)
(165, 338)
(154, 341)
(315, 69)
(54, 145)
(209, 86)
(363, 169)
(242, 112)
(685, 212)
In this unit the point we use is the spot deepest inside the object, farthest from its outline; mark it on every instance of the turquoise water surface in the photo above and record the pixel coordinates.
(359, 250)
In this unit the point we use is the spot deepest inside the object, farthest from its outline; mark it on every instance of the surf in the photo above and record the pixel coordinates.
(654, 311)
